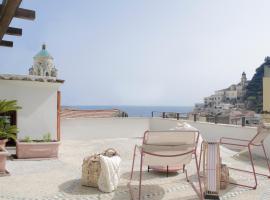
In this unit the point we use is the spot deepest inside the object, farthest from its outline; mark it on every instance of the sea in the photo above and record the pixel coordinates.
(139, 111)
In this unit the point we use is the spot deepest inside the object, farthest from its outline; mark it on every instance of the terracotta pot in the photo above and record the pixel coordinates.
(3, 142)
(3, 158)
(37, 149)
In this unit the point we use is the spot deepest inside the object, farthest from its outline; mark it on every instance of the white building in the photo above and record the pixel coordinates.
(39, 98)
(232, 95)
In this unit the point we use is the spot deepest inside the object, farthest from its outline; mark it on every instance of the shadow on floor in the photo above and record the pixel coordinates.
(147, 175)
(153, 192)
(74, 187)
(223, 192)
(244, 157)
(258, 161)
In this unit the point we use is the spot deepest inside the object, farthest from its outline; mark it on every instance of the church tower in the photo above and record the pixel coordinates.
(43, 64)
(243, 79)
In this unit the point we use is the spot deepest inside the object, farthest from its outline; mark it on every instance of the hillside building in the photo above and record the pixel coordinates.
(227, 98)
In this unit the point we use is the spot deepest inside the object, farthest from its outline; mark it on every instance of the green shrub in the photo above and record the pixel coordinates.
(27, 139)
(47, 137)
(7, 131)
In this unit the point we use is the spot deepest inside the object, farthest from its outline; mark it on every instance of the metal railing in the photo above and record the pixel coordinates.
(174, 115)
(195, 117)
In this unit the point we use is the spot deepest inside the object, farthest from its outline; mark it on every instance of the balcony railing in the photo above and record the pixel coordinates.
(174, 115)
(217, 119)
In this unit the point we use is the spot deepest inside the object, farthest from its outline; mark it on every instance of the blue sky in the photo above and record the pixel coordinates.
(143, 52)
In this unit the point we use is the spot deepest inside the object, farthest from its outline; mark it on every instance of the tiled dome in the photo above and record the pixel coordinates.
(43, 53)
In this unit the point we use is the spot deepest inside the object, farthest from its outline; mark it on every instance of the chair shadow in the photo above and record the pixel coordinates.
(244, 157)
(74, 187)
(147, 175)
(223, 192)
(258, 161)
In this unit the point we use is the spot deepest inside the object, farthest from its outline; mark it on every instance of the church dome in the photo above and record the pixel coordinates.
(43, 64)
(43, 53)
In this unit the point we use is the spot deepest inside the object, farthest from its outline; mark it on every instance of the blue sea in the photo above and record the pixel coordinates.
(139, 111)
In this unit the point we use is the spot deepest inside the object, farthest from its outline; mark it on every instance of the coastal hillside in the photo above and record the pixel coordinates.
(254, 93)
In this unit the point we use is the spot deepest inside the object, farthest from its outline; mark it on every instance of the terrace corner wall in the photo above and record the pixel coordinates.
(38, 100)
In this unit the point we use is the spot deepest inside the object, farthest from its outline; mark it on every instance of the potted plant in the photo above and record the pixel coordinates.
(39, 148)
(7, 131)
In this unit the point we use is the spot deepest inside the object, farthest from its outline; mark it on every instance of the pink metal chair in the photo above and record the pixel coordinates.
(258, 140)
(172, 147)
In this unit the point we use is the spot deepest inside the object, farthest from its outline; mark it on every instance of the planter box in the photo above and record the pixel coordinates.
(37, 149)
(3, 157)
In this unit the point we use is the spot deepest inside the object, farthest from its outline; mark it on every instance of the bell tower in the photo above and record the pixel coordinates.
(243, 79)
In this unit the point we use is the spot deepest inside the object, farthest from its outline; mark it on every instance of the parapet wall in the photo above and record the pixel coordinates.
(99, 128)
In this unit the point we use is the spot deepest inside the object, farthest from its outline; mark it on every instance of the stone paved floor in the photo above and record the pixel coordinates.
(60, 179)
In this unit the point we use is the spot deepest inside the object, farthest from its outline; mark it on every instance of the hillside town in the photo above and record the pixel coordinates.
(227, 105)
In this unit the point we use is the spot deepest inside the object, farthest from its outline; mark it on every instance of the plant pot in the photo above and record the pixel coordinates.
(3, 157)
(37, 149)
(3, 142)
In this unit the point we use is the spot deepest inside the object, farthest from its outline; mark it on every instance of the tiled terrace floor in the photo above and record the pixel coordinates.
(60, 179)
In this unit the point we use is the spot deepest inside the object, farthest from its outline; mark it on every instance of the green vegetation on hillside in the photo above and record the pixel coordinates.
(254, 93)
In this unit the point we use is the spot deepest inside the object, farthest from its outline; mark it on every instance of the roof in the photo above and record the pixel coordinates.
(43, 53)
(78, 113)
(30, 78)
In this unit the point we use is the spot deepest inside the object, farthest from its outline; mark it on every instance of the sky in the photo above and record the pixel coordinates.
(143, 52)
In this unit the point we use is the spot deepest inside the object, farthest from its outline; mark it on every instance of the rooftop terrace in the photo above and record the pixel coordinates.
(60, 179)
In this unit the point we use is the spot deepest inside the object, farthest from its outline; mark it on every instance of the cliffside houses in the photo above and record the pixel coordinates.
(227, 106)
(231, 97)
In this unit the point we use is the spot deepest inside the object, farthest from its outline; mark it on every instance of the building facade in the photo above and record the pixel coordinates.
(227, 98)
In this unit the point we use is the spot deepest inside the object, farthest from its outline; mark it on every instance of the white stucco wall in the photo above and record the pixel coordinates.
(97, 128)
(39, 106)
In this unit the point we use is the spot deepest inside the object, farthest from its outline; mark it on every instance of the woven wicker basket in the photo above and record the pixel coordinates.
(91, 168)
(224, 177)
